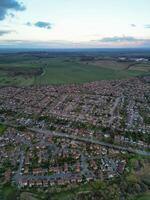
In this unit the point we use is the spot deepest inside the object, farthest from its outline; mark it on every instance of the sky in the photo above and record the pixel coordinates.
(75, 23)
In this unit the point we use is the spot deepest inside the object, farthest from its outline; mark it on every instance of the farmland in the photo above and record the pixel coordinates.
(42, 68)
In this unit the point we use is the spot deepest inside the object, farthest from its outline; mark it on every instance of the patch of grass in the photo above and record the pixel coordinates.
(2, 129)
(84, 188)
(8, 192)
(27, 196)
(145, 196)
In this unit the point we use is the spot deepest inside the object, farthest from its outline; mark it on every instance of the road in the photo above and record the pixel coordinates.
(18, 175)
(89, 140)
(113, 110)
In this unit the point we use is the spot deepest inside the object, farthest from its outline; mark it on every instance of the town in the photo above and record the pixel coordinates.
(72, 134)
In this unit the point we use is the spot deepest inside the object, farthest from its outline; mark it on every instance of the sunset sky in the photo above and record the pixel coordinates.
(74, 23)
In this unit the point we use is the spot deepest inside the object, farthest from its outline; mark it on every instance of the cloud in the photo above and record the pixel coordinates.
(133, 25)
(124, 41)
(118, 39)
(28, 24)
(3, 32)
(147, 26)
(7, 6)
(37, 44)
(130, 43)
(40, 24)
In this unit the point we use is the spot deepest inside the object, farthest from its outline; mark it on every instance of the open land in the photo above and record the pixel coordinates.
(43, 68)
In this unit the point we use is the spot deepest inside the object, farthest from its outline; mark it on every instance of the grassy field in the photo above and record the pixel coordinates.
(24, 70)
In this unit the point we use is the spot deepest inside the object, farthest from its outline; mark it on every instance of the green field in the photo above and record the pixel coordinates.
(22, 70)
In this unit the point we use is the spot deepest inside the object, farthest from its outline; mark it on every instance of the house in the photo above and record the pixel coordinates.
(45, 183)
(23, 182)
(31, 183)
(39, 182)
